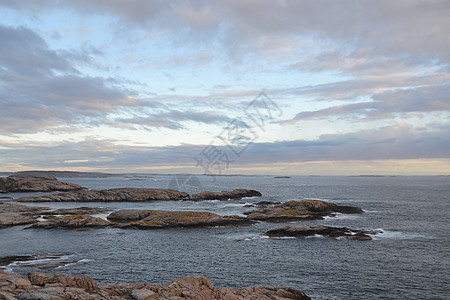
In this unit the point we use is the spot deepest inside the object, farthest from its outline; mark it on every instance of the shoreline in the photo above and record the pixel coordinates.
(64, 286)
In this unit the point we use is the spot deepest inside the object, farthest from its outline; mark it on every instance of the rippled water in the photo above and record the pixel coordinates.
(409, 260)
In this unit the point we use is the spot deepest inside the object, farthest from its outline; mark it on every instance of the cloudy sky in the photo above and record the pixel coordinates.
(239, 86)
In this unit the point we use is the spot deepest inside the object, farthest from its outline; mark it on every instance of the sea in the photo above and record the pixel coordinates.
(409, 259)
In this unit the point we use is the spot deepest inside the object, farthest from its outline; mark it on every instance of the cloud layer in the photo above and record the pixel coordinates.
(110, 84)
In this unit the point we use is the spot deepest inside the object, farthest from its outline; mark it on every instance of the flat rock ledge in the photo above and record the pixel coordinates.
(44, 183)
(325, 231)
(305, 210)
(63, 286)
(153, 219)
(143, 219)
(140, 195)
(12, 214)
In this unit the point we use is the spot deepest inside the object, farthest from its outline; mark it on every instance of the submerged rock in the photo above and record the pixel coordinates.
(326, 231)
(63, 286)
(28, 183)
(153, 219)
(304, 210)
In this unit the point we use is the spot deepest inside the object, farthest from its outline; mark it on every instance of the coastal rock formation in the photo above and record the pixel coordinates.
(72, 222)
(75, 211)
(153, 219)
(304, 210)
(63, 286)
(326, 231)
(28, 183)
(139, 195)
(16, 214)
(111, 195)
(236, 194)
(143, 219)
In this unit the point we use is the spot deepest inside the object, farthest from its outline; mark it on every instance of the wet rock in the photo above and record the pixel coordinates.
(72, 222)
(47, 183)
(304, 210)
(236, 194)
(63, 286)
(326, 231)
(153, 219)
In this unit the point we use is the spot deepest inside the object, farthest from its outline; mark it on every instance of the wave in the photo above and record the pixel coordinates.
(399, 235)
(46, 262)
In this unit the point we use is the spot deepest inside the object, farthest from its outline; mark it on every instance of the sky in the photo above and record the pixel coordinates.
(226, 87)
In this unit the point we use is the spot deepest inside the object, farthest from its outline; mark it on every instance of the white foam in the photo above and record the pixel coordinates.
(399, 235)
(85, 260)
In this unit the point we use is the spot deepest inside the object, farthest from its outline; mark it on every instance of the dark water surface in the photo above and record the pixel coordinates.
(409, 260)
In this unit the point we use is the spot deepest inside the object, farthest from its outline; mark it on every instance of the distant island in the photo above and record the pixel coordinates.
(66, 174)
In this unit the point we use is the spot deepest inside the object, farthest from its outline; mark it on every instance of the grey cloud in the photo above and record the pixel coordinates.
(399, 141)
(387, 104)
(174, 119)
(418, 29)
(41, 88)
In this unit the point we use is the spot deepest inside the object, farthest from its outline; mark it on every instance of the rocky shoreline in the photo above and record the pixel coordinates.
(63, 286)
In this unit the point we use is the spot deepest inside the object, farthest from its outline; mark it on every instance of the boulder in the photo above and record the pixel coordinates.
(326, 231)
(304, 210)
(42, 279)
(154, 219)
(47, 183)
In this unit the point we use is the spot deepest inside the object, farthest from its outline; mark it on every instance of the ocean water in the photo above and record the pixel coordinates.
(409, 260)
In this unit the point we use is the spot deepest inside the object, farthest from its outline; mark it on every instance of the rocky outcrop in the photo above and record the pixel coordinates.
(236, 194)
(304, 210)
(143, 219)
(16, 214)
(111, 195)
(75, 211)
(72, 222)
(12, 214)
(63, 286)
(326, 231)
(43, 183)
(139, 195)
(154, 219)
